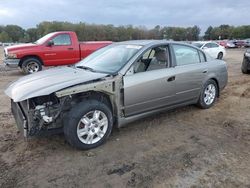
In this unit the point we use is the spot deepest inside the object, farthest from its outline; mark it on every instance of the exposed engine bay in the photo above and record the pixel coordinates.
(39, 114)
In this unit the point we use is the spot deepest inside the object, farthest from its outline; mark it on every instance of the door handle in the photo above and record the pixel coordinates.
(70, 48)
(170, 79)
(205, 71)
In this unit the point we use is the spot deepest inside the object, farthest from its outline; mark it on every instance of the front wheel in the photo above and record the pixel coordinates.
(88, 124)
(31, 65)
(208, 94)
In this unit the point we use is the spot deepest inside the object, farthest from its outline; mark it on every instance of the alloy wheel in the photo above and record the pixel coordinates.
(92, 127)
(209, 94)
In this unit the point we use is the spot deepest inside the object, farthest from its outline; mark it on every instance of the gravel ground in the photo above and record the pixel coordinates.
(187, 147)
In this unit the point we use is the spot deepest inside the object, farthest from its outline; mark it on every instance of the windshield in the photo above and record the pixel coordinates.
(44, 38)
(197, 44)
(109, 59)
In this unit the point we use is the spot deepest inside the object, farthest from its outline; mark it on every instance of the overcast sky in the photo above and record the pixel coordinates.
(28, 13)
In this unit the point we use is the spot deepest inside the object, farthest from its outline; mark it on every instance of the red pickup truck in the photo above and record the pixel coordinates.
(58, 48)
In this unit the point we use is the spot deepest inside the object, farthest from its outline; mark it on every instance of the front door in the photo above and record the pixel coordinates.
(62, 52)
(151, 84)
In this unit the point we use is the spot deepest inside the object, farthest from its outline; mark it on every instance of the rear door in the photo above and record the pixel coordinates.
(190, 72)
(150, 82)
(62, 52)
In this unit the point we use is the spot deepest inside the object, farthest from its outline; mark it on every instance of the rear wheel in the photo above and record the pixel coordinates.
(208, 94)
(31, 65)
(88, 124)
(220, 55)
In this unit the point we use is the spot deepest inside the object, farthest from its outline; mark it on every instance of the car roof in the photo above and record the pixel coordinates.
(204, 42)
(143, 42)
(151, 42)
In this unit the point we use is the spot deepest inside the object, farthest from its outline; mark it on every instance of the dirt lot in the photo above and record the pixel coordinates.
(187, 147)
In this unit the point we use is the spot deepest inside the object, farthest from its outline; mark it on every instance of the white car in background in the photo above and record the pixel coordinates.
(212, 48)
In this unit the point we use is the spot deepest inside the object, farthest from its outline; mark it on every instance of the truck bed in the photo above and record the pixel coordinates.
(87, 48)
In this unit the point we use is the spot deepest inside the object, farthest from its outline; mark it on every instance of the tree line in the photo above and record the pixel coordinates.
(86, 32)
(227, 32)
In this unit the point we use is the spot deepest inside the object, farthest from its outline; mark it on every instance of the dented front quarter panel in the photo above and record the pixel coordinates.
(105, 85)
(111, 86)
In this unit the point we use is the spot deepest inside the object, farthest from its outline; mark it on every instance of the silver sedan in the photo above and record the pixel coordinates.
(113, 86)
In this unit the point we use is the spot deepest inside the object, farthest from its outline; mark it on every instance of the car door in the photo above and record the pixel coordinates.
(208, 49)
(61, 51)
(215, 49)
(150, 83)
(190, 71)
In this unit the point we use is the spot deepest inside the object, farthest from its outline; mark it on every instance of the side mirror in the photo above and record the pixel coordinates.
(204, 48)
(50, 43)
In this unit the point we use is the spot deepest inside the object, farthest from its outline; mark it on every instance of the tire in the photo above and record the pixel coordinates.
(244, 69)
(31, 65)
(82, 130)
(220, 55)
(208, 95)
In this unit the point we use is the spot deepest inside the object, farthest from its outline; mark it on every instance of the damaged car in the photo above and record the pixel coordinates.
(113, 86)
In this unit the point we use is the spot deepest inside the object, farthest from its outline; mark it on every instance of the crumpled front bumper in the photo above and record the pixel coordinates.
(12, 63)
(20, 117)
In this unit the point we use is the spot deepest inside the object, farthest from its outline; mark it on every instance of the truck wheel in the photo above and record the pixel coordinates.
(88, 124)
(208, 94)
(31, 65)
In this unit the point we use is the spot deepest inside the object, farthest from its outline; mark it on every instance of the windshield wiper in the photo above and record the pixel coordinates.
(86, 68)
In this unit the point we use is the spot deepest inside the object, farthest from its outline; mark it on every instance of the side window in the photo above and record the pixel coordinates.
(202, 57)
(153, 59)
(63, 39)
(185, 55)
(213, 45)
(148, 54)
(208, 45)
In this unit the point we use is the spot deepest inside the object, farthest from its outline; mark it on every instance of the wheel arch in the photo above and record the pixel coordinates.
(217, 83)
(100, 96)
(29, 56)
(220, 52)
(104, 97)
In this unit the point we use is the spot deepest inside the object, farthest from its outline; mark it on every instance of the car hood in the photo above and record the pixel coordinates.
(49, 81)
(20, 47)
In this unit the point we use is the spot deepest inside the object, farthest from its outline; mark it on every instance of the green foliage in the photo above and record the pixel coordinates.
(208, 33)
(4, 37)
(181, 34)
(15, 32)
(227, 32)
(87, 32)
(31, 34)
